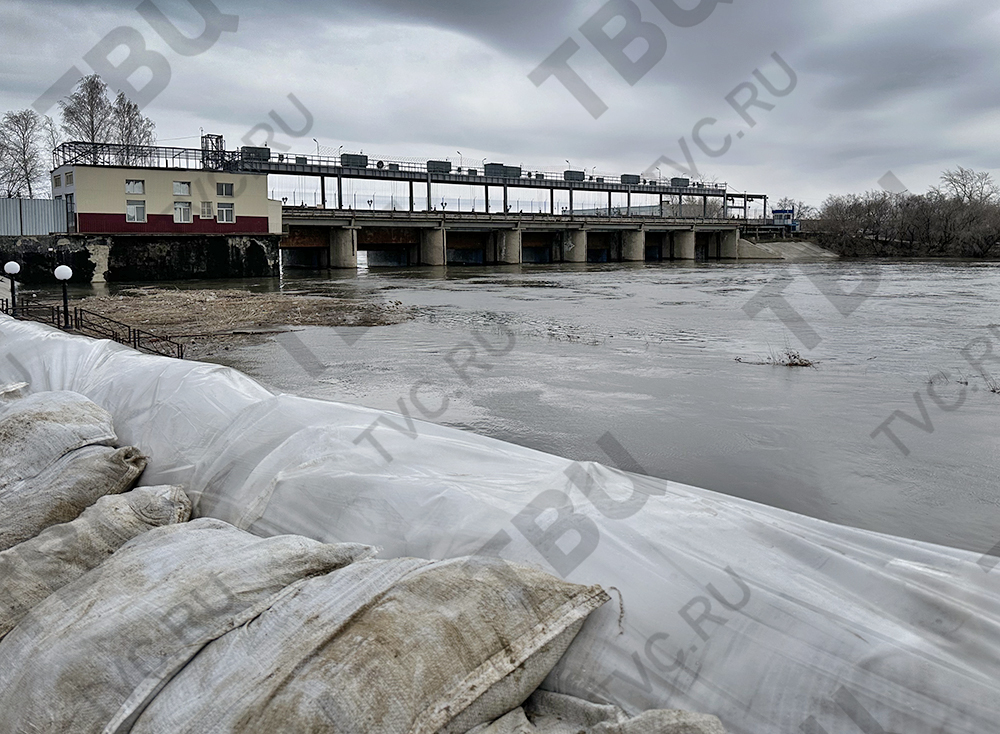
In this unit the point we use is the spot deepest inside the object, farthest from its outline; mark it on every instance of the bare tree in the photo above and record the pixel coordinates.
(52, 136)
(969, 186)
(802, 210)
(86, 113)
(23, 163)
(131, 129)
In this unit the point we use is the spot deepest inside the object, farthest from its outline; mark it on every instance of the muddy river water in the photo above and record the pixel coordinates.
(662, 368)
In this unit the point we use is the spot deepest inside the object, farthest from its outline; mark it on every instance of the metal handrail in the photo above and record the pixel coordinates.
(154, 156)
(154, 344)
(95, 324)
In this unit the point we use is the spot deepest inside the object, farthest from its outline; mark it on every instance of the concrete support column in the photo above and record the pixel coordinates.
(344, 247)
(575, 251)
(432, 247)
(634, 246)
(509, 246)
(684, 245)
(730, 243)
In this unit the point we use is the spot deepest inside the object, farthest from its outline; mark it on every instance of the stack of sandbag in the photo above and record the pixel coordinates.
(203, 627)
(36, 568)
(57, 457)
(92, 655)
(402, 645)
(117, 615)
(58, 460)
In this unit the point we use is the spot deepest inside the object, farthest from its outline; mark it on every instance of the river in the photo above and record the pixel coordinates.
(650, 367)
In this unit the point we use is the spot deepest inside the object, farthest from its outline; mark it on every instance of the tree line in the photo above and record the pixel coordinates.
(87, 114)
(958, 218)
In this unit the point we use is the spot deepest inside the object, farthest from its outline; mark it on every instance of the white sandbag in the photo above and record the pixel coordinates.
(34, 569)
(772, 621)
(381, 646)
(92, 655)
(37, 430)
(65, 489)
(555, 713)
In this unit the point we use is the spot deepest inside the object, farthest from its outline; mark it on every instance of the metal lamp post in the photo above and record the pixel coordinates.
(12, 269)
(64, 273)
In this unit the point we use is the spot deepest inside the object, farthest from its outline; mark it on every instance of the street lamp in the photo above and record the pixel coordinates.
(317, 146)
(64, 273)
(12, 269)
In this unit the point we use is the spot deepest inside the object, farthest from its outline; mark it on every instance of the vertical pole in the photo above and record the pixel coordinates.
(571, 200)
(13, 296)
(628, 202)
(764, 213)
(487, 187)
(428, 191)
(704, 206)
(65, 305)
(609, 203)
(552, 201)
(322, 190)
(340, 192)
(505, 207)
(411, 195)
(661, 206)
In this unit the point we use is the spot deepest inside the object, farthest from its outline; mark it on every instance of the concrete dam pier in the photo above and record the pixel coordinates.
(330, 238)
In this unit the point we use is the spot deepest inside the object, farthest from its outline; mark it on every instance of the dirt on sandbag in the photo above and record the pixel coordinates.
(36, 568)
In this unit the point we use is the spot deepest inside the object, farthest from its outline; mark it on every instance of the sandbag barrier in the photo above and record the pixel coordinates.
(772, 621)
(119, 615)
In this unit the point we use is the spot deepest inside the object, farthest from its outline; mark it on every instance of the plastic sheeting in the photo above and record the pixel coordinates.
(770, 620)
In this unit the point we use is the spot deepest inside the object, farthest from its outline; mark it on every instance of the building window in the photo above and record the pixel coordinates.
(134, 187)
(223, 189)
(57, 181)
(182, 188)
(182, 211)
(70, 203)
(226, 214)
(69, 178)
(206, 210)
(135, 211)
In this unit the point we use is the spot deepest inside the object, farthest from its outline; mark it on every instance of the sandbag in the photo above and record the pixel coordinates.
(404, 645)
(65, 489)
(555, 713)
(92, 655)
(37, 430)
(34, 569)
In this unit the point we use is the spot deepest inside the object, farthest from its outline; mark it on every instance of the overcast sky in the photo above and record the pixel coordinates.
(908, 87)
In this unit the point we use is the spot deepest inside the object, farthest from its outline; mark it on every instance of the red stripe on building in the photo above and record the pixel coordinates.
(165, 224)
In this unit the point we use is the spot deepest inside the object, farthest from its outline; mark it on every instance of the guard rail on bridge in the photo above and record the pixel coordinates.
(396, 217)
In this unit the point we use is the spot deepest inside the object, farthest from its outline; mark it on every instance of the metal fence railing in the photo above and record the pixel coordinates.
(90, 323)
(95, 324)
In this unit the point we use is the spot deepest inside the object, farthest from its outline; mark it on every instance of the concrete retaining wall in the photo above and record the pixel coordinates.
(137, 258)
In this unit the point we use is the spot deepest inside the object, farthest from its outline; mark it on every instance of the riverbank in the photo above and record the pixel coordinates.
(210, 322)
